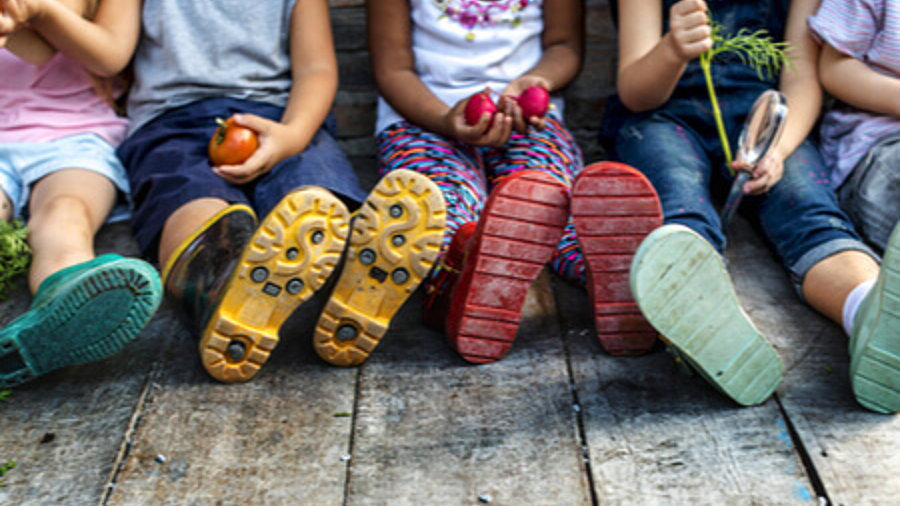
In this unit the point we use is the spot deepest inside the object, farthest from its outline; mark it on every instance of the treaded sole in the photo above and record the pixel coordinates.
(875, 367)
(94, 317)
(519, 229)
(394, 242)
(290, 256)
(614, 207)
(682, 287)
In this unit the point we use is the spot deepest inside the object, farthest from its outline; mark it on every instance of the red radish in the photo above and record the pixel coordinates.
(534, 101)
(477, 105)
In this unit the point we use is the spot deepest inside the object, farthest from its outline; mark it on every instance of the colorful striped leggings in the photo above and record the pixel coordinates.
(465, 173)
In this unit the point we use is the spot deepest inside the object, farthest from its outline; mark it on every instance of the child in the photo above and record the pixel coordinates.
(860, 66)
(58, 168)
(507, 180)
(269, 67)
(678, 277)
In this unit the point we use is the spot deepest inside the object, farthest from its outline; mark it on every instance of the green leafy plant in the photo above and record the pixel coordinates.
(4, 468)
(15, 255)
(756, 49)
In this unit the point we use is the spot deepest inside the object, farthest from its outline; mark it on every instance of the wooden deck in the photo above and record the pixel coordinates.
(556, 422)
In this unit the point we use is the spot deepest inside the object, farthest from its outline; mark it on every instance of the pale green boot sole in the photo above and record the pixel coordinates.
(81, 314)
(875, 344)
(683, 289)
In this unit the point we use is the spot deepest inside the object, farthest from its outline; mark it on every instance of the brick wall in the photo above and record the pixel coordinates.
(355, 102)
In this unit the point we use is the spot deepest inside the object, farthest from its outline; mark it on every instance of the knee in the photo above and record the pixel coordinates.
(65, 209)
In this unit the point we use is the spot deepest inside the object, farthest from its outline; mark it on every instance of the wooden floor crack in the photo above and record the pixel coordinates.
(350, 444)
(579, 418)
(128, 437)
(811, 471)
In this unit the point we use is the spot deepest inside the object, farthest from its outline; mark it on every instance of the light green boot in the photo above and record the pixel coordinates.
(875, 343)
(683, 289)
(80, 314)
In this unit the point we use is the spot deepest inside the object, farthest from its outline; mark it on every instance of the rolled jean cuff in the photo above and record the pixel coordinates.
(799, 269)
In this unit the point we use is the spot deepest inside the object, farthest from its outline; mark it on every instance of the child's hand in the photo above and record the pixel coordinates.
(275, 145)
(764, 176)
(14, 13)
(689, 30)
(508, 104)
(489, 131)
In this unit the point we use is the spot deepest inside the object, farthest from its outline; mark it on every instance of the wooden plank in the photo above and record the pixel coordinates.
(65, 430)
(278, 439)
(658, 436)
(855, 453)
(431, 429)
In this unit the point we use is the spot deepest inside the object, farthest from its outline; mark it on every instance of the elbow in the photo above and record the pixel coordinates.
(635, 102)
(110, 67)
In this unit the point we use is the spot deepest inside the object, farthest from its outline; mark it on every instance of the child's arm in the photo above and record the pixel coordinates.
(800, 84)
(561, 59)
(315, 78)
(857, 84)
(29, 46)
(650, 64)
(390, 47)
(103, 45)
(21, 40)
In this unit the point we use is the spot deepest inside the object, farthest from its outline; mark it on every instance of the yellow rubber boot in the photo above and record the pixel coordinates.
(290, 256)
(394, 242)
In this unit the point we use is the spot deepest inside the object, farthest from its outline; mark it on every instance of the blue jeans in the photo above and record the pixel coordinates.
(799, 217)
(168, 167)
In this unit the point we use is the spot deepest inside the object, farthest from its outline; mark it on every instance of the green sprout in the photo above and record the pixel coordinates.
(15, 255)
(4, 395)
(755, 49)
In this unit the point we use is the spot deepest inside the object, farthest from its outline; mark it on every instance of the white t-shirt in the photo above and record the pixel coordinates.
(463, 46)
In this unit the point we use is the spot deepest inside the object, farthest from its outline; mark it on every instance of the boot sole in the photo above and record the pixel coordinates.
(517, 234)
(290, 256)
(875, 369)
(683, 289)
(96, 317)
(614, 207)
(394, 242)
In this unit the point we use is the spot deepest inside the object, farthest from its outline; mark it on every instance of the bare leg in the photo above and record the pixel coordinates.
(6, 208)
(184, 221)
(828, 283)
(67, 208)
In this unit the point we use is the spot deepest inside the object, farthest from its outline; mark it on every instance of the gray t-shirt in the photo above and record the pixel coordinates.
(191, 50)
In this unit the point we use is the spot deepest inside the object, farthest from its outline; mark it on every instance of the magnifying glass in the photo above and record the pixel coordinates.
(760, 133)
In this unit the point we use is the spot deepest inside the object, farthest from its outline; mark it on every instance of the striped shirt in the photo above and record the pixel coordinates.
(868, 30)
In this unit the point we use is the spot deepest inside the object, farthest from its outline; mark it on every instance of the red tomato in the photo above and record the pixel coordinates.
(231, 143)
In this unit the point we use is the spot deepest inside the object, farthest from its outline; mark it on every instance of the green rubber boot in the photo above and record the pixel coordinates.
(875, 343)
(683, 289)
(80, 314)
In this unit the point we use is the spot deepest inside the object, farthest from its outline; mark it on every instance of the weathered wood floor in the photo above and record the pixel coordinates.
(556, 422)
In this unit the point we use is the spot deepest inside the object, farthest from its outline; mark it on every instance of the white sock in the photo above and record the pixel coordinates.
(852, 302)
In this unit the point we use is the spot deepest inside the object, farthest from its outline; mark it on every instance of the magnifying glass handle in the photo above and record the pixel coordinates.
(735, 194)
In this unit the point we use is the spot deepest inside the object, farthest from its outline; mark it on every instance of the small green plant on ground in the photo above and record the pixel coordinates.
(15, 255)
(4, 468)
(756, 49)
(4, 395)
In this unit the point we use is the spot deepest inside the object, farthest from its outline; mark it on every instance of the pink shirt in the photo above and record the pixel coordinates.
(40, 103)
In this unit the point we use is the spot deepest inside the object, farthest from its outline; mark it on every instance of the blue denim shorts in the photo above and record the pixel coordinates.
(168, 166)
(23, 163)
